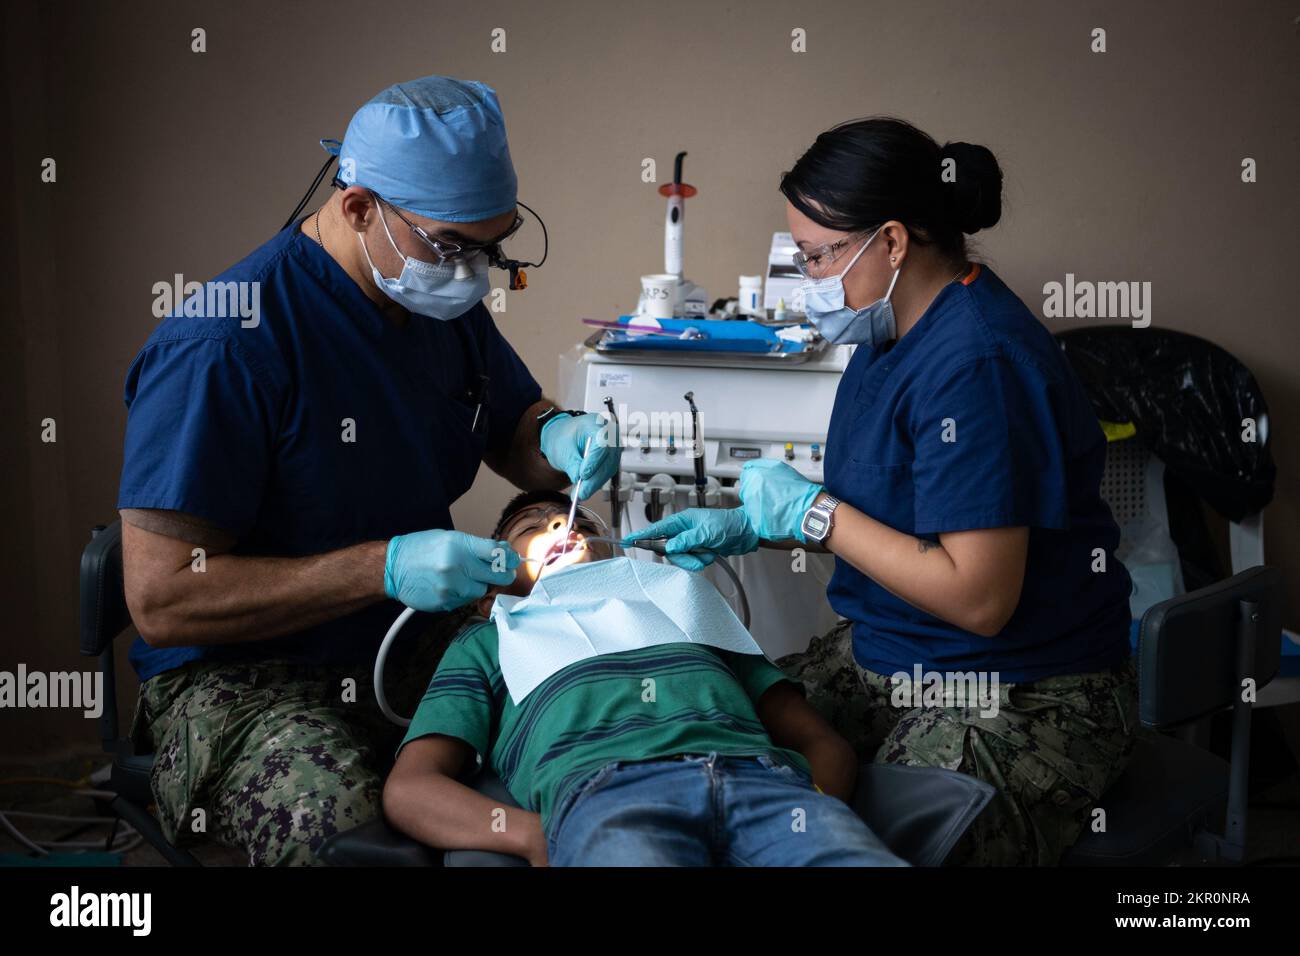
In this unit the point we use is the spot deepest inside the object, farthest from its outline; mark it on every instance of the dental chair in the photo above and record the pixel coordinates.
(1195, 653)
(919, 812)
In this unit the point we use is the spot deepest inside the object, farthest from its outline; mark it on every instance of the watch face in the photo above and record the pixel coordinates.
(815, 525)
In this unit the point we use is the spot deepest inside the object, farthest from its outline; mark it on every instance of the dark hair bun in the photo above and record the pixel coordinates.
(975, 198)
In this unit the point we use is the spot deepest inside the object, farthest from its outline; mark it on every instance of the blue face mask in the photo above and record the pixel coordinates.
(823, 301)
(439, 290)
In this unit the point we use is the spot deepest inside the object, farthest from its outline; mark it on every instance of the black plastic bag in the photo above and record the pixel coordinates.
(1188, 399)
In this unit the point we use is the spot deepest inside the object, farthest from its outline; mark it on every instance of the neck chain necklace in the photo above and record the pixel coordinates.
(318, 240)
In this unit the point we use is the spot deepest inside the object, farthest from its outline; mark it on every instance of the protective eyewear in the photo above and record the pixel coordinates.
(816, 262)
(449, 250)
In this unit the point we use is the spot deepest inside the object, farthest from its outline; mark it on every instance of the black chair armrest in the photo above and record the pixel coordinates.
(1188, 646)
(490, 785)
(103, 602)
(919, 812)
(376, 844)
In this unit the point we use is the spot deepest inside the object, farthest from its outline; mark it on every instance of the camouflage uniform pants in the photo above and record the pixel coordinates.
(1052, 749)
(272, 757)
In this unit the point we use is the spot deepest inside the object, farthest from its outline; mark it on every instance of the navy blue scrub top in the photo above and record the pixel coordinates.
(974, 419)
(245, 427)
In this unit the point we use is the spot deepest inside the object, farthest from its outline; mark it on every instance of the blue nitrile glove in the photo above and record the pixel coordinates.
(774, 498)
(562, 440)
(441, 570)
(704, 532)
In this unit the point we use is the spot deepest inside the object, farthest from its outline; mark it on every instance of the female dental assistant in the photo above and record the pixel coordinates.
(962, 466)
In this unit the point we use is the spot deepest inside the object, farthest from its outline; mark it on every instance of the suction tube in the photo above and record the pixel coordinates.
(380, 699)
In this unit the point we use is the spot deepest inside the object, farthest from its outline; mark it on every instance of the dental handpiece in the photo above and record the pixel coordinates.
(658, 546)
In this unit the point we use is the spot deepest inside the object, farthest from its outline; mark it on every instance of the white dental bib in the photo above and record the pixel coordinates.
(605, 607)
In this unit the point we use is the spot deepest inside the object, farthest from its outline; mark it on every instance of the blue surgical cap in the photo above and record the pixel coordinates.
(435, 146)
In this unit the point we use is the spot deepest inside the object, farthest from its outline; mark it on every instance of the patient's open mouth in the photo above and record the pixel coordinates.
(546, 551)
(558, 550)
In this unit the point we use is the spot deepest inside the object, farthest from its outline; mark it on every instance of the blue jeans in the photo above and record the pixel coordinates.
(705, 811)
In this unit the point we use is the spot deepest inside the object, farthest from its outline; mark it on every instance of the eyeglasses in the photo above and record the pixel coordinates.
(450, 250)
(530, 521)
(815, 263)
(455, 251)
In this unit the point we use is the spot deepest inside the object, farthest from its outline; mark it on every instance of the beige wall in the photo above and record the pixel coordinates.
(1123, 165)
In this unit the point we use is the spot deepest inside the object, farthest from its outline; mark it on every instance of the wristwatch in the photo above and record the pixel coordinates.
(820, 518)
(554, 412)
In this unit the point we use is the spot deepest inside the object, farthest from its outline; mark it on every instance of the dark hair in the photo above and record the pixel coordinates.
(860, 174)
(526, 499)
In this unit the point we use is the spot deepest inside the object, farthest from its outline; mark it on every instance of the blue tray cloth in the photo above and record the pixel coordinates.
(720, 336)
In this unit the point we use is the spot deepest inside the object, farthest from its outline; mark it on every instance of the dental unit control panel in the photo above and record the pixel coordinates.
(693, 397)
(748, 408)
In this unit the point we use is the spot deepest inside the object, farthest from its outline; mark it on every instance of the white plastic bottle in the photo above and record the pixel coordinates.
(751, 295)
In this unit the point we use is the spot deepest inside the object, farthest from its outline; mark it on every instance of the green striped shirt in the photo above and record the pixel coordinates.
(648, 703)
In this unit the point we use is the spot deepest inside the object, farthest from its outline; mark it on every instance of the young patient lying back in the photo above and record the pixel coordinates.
(666, 753)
